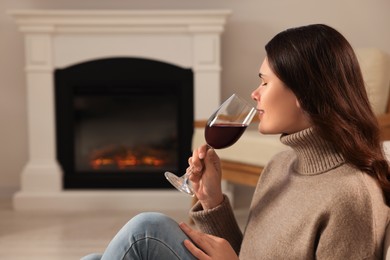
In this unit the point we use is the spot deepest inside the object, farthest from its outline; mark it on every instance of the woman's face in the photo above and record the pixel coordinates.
(279, 109)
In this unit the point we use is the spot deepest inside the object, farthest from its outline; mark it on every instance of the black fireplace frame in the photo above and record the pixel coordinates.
(133, 75)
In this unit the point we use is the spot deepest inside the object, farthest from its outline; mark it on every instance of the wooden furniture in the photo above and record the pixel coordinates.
(240, 173)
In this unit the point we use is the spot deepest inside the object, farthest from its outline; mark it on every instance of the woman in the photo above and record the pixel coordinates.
(326, 198)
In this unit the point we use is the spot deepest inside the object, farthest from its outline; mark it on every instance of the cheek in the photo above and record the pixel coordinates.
(280, 117)
(274, 121)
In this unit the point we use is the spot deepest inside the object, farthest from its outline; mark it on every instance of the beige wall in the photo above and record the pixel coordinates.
(366, 23)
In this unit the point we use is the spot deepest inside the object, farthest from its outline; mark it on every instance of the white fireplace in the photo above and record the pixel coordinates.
(60, 38)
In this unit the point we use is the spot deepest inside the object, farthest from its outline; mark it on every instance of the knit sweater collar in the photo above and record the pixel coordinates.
(314, 155)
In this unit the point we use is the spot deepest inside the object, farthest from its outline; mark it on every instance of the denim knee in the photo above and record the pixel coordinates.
(148, 235)
(150, 221)
(155, 236)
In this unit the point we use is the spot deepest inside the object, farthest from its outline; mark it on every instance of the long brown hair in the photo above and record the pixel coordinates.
(319, 65)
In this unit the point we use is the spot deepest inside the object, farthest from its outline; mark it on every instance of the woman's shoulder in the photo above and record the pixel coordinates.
(359, 201)
(357, 191)
(354, 181)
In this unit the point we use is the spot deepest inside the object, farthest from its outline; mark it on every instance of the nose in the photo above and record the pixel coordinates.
(256, 94)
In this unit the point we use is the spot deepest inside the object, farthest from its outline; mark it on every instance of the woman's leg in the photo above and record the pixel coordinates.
(148, 236)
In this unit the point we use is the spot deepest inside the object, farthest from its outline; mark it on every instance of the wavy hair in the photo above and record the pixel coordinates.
(319, 65)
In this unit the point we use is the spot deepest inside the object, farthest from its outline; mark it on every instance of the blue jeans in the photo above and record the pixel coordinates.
(147, 236)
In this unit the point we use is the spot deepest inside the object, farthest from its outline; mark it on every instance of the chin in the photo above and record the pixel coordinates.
(266, 131)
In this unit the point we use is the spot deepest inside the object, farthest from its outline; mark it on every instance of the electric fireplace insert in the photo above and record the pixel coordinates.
(122, 122)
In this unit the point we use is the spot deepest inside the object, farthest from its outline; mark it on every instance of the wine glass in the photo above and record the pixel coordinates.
(224, 127)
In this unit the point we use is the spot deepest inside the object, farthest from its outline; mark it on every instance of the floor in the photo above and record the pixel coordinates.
(62, 236)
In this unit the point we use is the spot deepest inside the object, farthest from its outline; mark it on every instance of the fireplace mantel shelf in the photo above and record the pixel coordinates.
(120, 20)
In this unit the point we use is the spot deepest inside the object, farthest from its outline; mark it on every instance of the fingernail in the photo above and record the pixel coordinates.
(182, 225)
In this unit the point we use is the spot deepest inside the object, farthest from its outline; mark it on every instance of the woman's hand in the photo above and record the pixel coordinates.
(207, 246)
(206, 176)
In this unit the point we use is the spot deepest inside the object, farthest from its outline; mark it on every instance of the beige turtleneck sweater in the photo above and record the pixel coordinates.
(308, 204)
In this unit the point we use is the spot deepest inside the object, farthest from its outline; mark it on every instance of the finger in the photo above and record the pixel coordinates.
(202, 150)
(190, 163)
(188, 230)
(199, 238)
(212, 159)
(197, 164)
(194, 250)
(191, 169)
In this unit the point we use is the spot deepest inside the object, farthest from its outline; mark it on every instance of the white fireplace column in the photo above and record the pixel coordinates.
(60, 38)
(42, 172)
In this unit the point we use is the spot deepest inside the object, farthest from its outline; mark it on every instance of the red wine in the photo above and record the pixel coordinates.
(223, 135)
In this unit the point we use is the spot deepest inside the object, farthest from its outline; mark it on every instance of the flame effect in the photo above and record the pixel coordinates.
(124, 157)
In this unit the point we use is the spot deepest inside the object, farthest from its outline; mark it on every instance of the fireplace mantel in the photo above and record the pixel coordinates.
(60, 38)
(121, 21)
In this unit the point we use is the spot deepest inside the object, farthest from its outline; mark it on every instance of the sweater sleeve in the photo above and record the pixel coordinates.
(219, 221)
